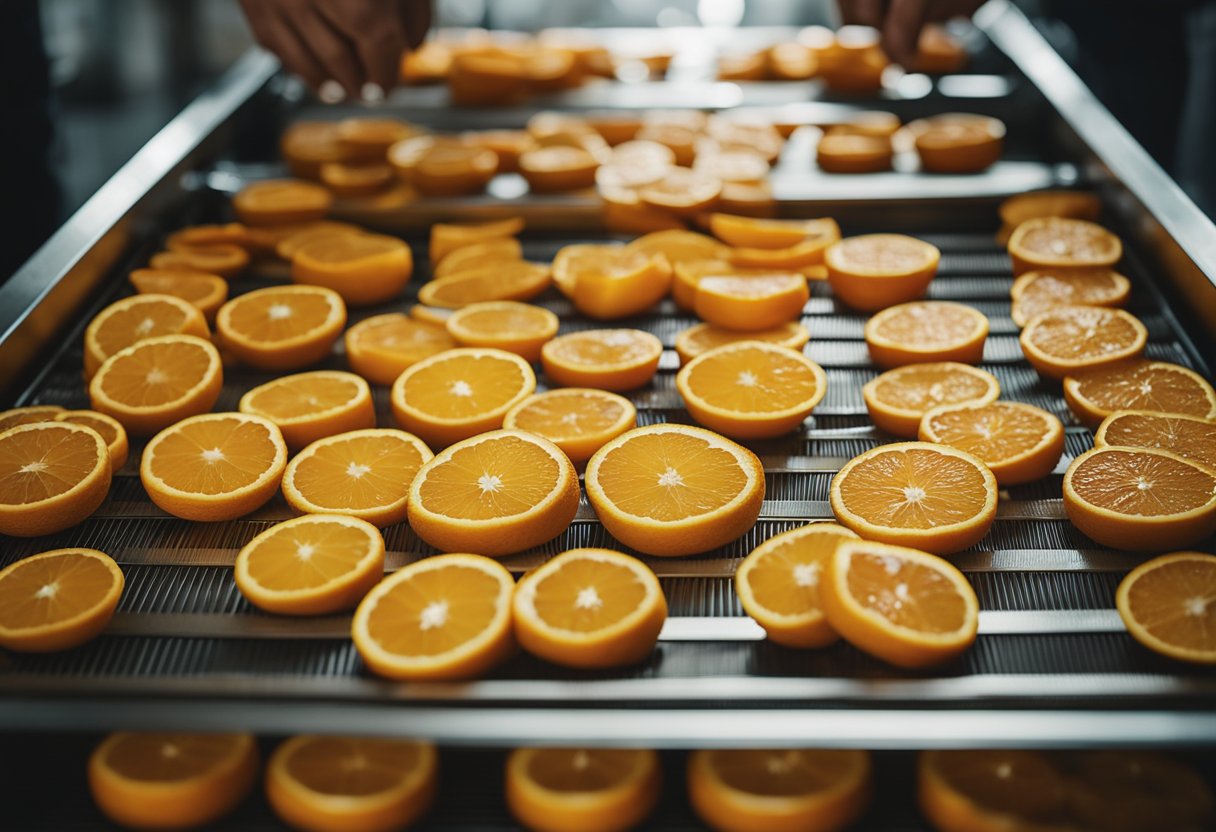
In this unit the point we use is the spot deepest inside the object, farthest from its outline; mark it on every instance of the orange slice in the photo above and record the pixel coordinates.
(679, 246)
(683, 192)
(874, 271)
(1188, 436)
(491, 252)
(460, 393)
(1169, 606)
(444, 617)
(779, 790)
(453, 170)
(806, 256)
(778, 584)
(934, 497)
(1140, 499)
(508, 144)
(131, 320)
(434, 315)
(905, 606)
(938, 52)
(957, 142)
(1036, 292)
(678, 138)
(447, 237)
(899, 398)
(353, 180)
(57, 600)
(992, 791)
(286, 240)
(688, 273)
(363, 268)
(580, 421)
(733, 166)
(158, 381)
(590, 608)
(558, 168)
(703, 337)
(1017, 209)
(748, 232)
(28, 415)
(351, 783)
(226, 234)
(1072, 339)
(53, 475)
(207, 292)
(874, 123)
(750, 303)
(109, 428)
(219, 466)
(751, 390)
(497, 493)
(624, 213)
(567, 789)
(363, 473)
(506, 325)
(926, 331)
(1138, 790)
(500, 281)
(1062, 243)
(381, 347)
(282, 327)
(606, 359)
(846, 152)
(1156, 386)
(306, 145)
(370, 138)
(279, 201)
(310, 406)
(171, 781)
(675, 490)
(312, 565)
(1018, 442)
(610, 281)
(225, 260)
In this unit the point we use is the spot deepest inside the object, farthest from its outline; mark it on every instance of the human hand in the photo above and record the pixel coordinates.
(357, 43)
(899, 21)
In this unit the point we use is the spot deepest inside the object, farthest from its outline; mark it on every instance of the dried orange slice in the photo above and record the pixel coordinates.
(309, 406)
(703, 337)
(280, 201)
(444, 617)
(353, 180)
(1018, 442)
(171, 781)
(131, 320)
(751, 390)
(109, 428)
(158, 381)
(351, 783)
(1168, 605)
(926, 331)
(1036, 292)
(1157, 386)
(506, 325)
(453, 170)
(226, 234)
(749, 232)
(1017, 209)
(460, 393)
(679, 246)
(53, 475)
(733, 166)
(1140, 499)
(363, 268)
(282, 327)
(564, 789)
(934, 497)
(370, 138)
(381, 347)
(1188, 436)
(899, 398)
(749, 303)
(683, 192)
(578, 420)
(1062, 243)
(606, 359)
(28, 415)
(778, 584)
(447, 237)
(874, 271)
(306, 145)
(207, 292)
(611, 281)
(782, 790)
(675, 490)
(218, 466)
(590, 608)
(905, 606)
(225, 259)
(992, 791)
(957, 142)
(491, 252)
(558, 168)
(362, 473)
(497, 493)
(1072, 339)
(311, 565)
(846, 152)
(1138, 790)
(520, 280)
(508, 144)
(57, 600)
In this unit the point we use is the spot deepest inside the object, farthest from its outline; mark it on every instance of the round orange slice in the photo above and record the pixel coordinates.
(57, 600)
(779, 790)
(558, 168)
(306, 145)
(874, 271)
(1140, 499)
(53, 475)
(805, 257)
(355, 180)
(1018, 442)
(492, 252)
(703, 337)
(733, 166)
(1169, 606)
(683, 192)
(312, 565)
(899, 398)
(1156, 386)
(1062, 243)
(453, 170)
(460, 393)
(520, 280)
(498, 493)
(926, 331)
(218, 466)
(232, 233)
(1138, 790)
(370, 138)
(957, 142)
(310, 406)
(749, 303)
(381, 347)
(225, 260)
(282, 327)
(443, 617)
(288, 239)
(578, 420)
(606, 359)
(515, 327)
(447, 237)
(207, 292)
(848, 152)
(131, 320)
(590, 608)
(987, 791)
(778, 584)
(171, 781)
(1072, 339)
(751, 390)
(28, 415)
(1188, 436)
(281, 201)
(566, 789)
(363, 473)
(674, 490)
(750, 232)
(611, 281)
(1017, 209)
(679, 246)
(1036, 292)
(933, 497)
(109, 428)
(363, 268)
(357, 784)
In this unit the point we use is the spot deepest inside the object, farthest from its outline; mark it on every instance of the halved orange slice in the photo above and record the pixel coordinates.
(846, 152)
(578, 420)
(1188, 436)
(109, 428)
(703, 337)
(286, 240)
(1018, 442)
(207, 292)
(993, 790)
(899, 398)
(683, 192)
(1062, 243)
(679, 246)
(1072, 339)
(1036, 292)
(750, 303)
(611, 281)
(280, 201)
(492, 252)
(874, 271)
(1017, 209)
(563, 789)
(13, 417)
(53, 475)
(957, 142)
(735, 166)
(224, 259)
(1139, 790)
(453, 170)
(447, 237)
(558, 168)
(805, 257)
(507, 325)
(749, 232)
(363, 268)
(57, 600)
(926, 331)
(1168, 605)
(381, 347)
(354, 180)
(310, 406)
(520, 280)
(282, 327)
(606, 359)
(306, 145)
(131, 320)
(1156, 386)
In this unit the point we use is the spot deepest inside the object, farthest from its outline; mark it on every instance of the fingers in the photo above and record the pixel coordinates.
(861, 12)
(416, 18)
(329, 47)
(901, 29)
(275, 35)
(374, 28)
